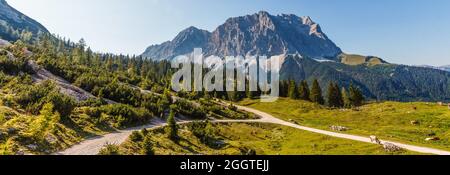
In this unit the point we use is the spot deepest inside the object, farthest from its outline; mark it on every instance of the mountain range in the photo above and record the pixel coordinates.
(257, 34)
(14, 23)
(309, 54)
(444, 68)
(379, 82)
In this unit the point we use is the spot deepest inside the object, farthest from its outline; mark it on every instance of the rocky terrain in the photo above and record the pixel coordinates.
(257, 34)
(4, 43)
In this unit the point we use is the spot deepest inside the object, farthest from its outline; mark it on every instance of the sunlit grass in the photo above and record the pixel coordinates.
(265, 139)
(388, 120)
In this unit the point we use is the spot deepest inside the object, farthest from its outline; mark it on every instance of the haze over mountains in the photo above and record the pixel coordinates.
(444, 68)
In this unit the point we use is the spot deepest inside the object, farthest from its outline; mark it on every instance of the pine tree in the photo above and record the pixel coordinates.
(356, 96)
(316, 93)
(283, 89)
(234, 95)
(147, 147)
(339, 99)
(345, 98)
(293, 91)
(172, 125)
(304, 90)
(334, 96)
(331, 95)
(249, 94)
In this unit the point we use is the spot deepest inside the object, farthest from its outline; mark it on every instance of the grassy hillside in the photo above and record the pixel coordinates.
(354, 60)
(44, 133)
(404, 122)
(43, 109)
(238, 139)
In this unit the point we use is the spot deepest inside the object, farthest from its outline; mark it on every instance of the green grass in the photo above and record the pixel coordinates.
(351, 59)
(57, 137)
(388, 120)
(265, 139)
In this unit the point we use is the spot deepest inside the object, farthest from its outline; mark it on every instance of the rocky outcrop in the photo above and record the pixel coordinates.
(4, 43)
(184, 43)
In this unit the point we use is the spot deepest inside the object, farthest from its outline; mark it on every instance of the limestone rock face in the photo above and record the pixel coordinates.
(257, 34)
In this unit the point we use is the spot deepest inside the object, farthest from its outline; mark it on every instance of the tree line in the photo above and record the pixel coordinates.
(336, 96)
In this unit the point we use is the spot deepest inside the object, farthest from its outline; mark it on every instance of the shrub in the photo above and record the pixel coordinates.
(45, 122)
(136, 136)
(30, 97)
(126, 115)
(93, 102)
(189, 109)
(62, 103)
(110, 149)
(204, 131)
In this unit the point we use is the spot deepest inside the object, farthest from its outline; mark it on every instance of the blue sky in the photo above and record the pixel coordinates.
(413, 32)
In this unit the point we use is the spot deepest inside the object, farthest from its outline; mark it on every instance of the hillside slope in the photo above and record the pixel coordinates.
(381, 82)
(15, 25)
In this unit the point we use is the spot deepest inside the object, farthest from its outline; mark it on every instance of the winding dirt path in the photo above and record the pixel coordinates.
(267, 118)
(92, 146)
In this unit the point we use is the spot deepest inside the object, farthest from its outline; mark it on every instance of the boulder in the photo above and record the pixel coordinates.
(390, 147)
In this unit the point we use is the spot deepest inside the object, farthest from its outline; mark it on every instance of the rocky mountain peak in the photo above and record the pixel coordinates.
(307, 20)
(256, 34)
(190, 34)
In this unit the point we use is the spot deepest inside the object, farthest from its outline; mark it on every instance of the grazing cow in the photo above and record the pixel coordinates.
(449, 106)
(374, 139)
(433, 139)
(338, 128)
(415, 122)
(440, 104)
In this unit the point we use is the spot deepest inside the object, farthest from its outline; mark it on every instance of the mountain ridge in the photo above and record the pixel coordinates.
(256, 34)
(442, 68)
(378, 82)
(14, 24)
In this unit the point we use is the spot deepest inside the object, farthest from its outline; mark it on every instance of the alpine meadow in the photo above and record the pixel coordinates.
(60, 95)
